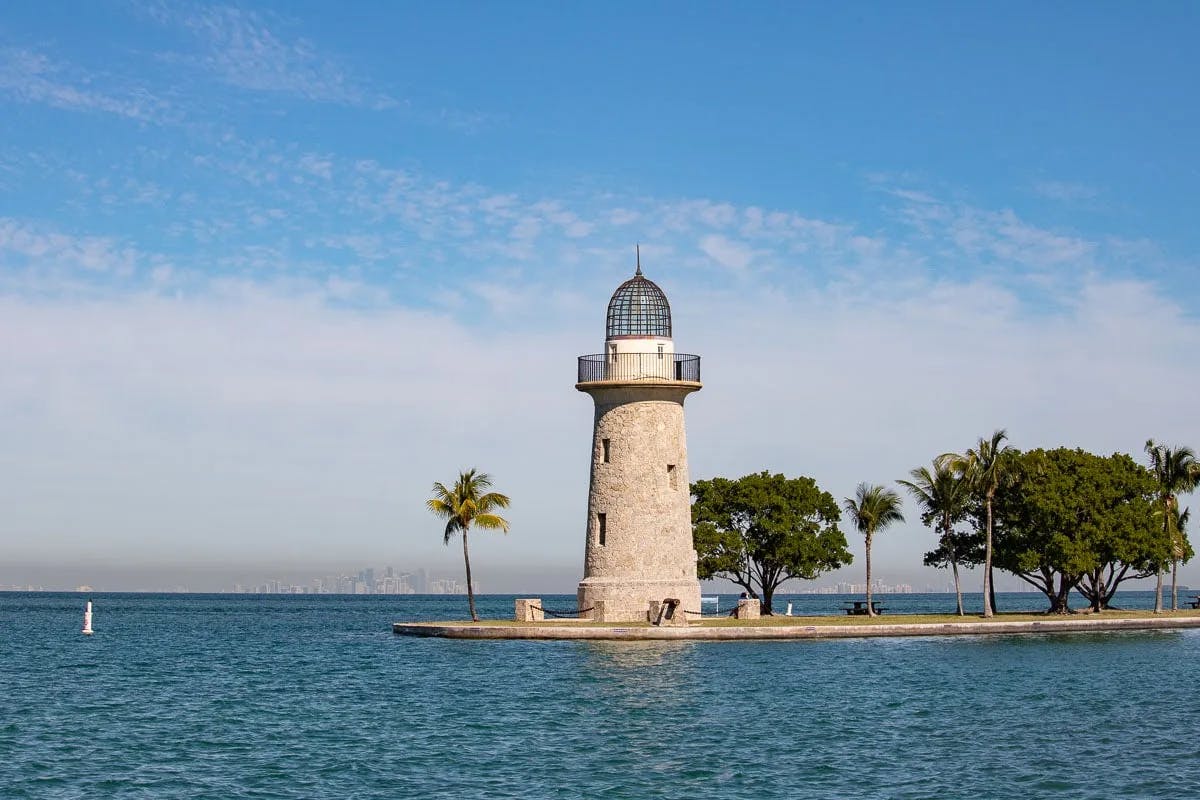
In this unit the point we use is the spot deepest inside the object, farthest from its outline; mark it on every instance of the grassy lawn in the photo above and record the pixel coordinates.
(844, 619)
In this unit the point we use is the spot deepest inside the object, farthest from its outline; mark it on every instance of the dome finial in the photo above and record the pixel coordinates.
(638, 248)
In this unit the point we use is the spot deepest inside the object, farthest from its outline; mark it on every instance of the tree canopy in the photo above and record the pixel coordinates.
(1078, 521)
(762, 529)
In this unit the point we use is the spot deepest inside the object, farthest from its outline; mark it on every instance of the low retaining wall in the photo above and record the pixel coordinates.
(798, 631)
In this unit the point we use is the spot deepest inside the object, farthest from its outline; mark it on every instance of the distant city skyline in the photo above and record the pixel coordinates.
(449, 580)
(388, 581)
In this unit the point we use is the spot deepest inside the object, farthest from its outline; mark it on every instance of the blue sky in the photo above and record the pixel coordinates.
(246, 252)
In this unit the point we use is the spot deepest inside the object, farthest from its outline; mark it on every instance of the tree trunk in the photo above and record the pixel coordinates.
(992, 591)
(470, 585)
(870, 608)
(765, 600)
(1158, 588)
(987, 564)
(1175, 584)
(1060, 600)
(1112, 588)
(957, 587)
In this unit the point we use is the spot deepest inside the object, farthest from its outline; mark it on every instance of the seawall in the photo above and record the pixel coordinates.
(799, 630)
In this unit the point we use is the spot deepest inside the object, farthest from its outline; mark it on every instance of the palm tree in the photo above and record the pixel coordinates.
(872, 509)
(1176, 471)
(943, 496)
(464, 505)
(986, 467)
(1178, 550)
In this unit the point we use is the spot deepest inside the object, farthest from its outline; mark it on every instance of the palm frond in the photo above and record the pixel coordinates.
(453, 526)
(491, 522)
(439, 507)
(492, 500)
(873, 508)
(466, 503)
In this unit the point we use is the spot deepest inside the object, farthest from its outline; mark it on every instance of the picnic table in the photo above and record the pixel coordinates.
(1194, 602)
(859, 607)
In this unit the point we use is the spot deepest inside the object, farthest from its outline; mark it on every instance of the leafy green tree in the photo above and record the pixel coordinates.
(465, 504)
(986, 467)
(872, 509)
(762, 529)
(942, 496)
(1076, 521)
(1176, 471)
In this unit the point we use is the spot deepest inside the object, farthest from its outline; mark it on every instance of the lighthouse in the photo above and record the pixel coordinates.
(638, 550)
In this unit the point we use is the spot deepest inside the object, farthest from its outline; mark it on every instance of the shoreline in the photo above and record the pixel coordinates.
(791, 628)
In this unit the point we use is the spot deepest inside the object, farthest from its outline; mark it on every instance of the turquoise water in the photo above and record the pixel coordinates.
(218, 696)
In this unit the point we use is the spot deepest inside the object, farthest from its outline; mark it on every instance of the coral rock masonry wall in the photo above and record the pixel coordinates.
(643, 491)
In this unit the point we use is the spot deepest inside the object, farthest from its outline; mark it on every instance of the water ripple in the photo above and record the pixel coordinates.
(212, 697)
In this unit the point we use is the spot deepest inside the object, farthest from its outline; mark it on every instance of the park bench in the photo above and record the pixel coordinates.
(859, 607)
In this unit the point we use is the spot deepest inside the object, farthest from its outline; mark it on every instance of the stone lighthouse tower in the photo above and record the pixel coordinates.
(639, 527)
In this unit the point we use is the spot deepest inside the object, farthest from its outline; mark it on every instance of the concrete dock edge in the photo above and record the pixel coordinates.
(796, 631)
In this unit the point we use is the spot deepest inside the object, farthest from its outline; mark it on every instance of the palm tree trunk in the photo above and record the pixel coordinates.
(992, 591)
(870, 608)
(470, 585)
(987, 564)
(957, 587)
(1175, 584)
(1158, 588)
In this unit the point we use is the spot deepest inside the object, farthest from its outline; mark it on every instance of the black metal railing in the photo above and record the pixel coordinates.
(639, 367)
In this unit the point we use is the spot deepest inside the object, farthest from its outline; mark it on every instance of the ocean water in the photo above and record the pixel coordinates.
(236, 696)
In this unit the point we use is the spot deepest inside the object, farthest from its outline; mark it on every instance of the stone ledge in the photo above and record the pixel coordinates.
(797, 631)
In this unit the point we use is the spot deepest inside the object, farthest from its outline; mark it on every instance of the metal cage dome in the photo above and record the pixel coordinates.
(638, 308)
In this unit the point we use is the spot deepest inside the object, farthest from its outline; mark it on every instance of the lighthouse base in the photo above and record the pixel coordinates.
(628, 600)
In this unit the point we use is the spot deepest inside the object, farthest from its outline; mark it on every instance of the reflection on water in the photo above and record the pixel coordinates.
(637, 672)
(632, 655)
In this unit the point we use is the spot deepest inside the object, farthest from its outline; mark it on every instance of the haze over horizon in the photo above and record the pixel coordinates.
(267, 271)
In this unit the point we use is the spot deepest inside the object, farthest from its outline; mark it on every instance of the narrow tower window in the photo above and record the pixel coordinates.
(602, 526)
(604, 444)
(671, 476)
(660, 352)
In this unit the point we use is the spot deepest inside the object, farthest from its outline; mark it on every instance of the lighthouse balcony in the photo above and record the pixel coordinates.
(648, 367)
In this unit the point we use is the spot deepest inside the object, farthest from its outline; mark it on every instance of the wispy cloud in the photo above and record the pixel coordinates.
(26, 244)
(32, 77)
(726, 252)
(245, 49)
(274, 211)
(992, 239)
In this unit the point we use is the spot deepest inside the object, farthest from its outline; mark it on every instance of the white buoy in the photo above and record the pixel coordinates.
(87, 619)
